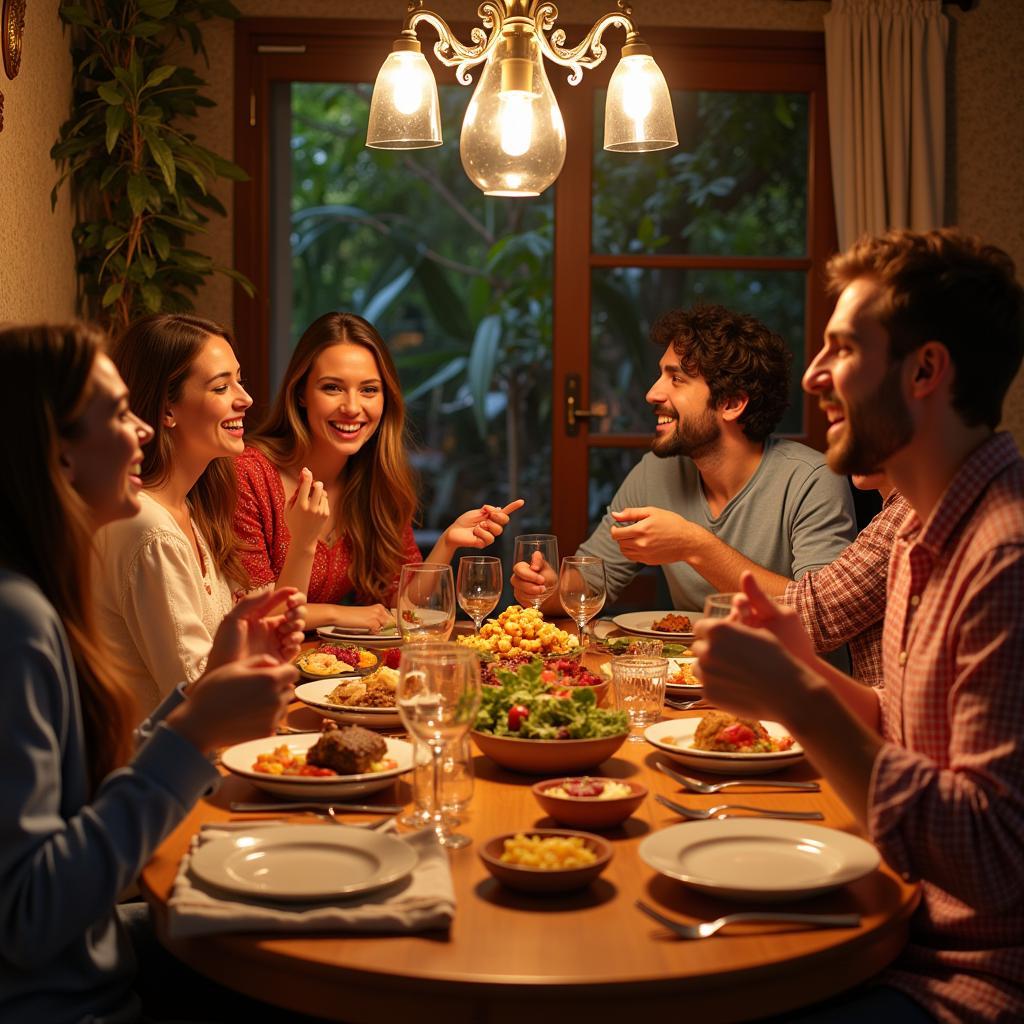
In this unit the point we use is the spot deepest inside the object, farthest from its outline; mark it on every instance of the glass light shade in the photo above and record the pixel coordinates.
(513, 136)
(638, 114)
(404, 112)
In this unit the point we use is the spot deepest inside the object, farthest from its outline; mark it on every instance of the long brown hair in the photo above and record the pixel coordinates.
(378, 487)
(45, 526)
(154, 356)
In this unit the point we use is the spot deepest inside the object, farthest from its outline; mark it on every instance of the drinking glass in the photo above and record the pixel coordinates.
(478, 586)
(426, 602)
(718, 606)
(457, 775)
(438, 697)
(547, 545)
(646, 647)
(640, 690)
(581, 589)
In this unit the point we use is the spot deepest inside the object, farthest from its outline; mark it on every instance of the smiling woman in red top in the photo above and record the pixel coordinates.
(326, 493)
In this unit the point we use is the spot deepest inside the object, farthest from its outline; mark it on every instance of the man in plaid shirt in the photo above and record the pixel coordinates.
(927, 333)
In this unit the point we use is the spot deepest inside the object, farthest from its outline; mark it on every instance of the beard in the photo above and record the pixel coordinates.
(690, 439)
(876, 428)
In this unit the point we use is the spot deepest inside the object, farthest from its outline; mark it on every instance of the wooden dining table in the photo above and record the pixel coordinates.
(589, 955)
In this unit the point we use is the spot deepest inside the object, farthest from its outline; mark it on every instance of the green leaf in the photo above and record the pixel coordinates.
(112, 294)
(159, 76)
(76, 14)
(161, 243)
(152, 297)
(240, 279)
(375, 308)
(157, 8)
(110, 93)
(164, 158)
(115, 117)
(148, 264)
(108, 175)
(138, 193)
(147, 29)
(483, 358)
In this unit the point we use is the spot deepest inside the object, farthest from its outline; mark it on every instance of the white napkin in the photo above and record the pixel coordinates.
(425, 900)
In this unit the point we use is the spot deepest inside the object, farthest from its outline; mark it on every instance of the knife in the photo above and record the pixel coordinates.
(295, 806)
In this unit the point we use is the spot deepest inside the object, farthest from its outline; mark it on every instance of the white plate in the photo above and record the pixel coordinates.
(303, 862)
(677, 689)
(641, 622)
(715, 761)
(240, 758)
(387, 637)
(315, 695)
(759, 859)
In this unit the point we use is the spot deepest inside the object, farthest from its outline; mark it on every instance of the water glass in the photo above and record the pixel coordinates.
(645, 647)
(426, 602)
(457, 777)
(478, 586)
(718, 606)
(547, 544)
(640, 690)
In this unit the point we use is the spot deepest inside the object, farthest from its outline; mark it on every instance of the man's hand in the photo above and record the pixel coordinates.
(532, 580)
(654, 536)
(755, 608)
(250, 629)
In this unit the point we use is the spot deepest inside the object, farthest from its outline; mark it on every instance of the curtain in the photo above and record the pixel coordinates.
(886, 66)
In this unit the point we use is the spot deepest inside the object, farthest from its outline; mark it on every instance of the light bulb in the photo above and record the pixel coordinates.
(404, 112)
(636, 97)
(516, 118)
(406, 90)
(638, 114)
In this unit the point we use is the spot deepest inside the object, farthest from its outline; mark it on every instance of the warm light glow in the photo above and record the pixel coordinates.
(404, 112)
(638, 114)
(406, 87)
(516, 120)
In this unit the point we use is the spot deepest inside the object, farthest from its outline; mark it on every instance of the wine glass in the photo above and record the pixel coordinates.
(478, 586)
(718, 606)
(582, 589)
(547, 545)
(438, 697)
(426, 602)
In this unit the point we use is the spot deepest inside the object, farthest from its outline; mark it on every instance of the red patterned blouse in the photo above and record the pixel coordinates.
(260, 523)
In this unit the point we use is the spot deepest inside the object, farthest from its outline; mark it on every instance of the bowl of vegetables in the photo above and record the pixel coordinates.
(561, 673)
(530, 725)
(546, 860)
(589, 801)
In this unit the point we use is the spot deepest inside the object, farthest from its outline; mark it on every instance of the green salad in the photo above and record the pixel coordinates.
(525, 707)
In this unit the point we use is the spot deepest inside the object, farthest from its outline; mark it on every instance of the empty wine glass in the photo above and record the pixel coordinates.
(582, 589)
(478, 586)
(547, 544)
(426, 602)
(438, 697)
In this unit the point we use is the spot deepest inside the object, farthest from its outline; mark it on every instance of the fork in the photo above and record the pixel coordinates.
(699, 814)
(705, 929)
(696, 786)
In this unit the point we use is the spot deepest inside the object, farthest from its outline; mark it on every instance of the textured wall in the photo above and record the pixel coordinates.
(37, 268)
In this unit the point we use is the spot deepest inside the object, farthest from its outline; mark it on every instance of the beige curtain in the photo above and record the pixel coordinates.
(886, 64)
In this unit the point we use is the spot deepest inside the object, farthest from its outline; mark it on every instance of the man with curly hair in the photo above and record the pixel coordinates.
(717, 494)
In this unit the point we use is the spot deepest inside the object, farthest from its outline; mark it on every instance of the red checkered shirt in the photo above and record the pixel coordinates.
(844, 602)
(946, 803)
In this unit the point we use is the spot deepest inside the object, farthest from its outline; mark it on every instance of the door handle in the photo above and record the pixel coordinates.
(573, 412)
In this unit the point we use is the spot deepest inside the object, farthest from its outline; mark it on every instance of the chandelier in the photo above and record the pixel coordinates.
(513, 136)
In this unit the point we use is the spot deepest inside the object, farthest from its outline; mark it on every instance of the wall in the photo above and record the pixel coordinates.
(37, 266)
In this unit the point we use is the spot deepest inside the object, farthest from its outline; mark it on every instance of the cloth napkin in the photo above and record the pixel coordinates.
(424, 900)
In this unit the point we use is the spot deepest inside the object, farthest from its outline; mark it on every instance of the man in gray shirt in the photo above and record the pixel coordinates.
(716, 495)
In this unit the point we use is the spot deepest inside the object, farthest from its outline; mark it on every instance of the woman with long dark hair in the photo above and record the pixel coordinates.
(326, 493)
(79, 813)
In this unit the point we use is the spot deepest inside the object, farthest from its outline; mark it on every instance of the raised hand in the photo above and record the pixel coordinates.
(476, 528)
(756, 608)
(306, 512)
(251, 628)
(653, 536)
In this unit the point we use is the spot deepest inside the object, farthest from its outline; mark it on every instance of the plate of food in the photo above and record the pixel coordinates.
(340, 761)
(359, 700)
(681, 679)
(670, 625)
(793, 860)
(303, 862)
(334, 659)
(724, 744)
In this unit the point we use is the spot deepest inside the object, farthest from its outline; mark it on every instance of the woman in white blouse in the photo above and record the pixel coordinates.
(166, 578)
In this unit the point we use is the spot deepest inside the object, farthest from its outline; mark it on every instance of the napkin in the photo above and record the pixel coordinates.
(423, 901)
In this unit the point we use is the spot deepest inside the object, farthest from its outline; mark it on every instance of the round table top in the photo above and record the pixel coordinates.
(590, 954)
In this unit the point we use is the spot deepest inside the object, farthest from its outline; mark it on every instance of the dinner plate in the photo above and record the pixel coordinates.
(387, 637)
(315, 695)
(303, 862)
(641, 622)
(240, 758)
(675, 666)
(757, 858)
(716, 761)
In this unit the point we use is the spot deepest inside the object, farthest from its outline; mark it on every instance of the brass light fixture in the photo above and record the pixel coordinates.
(513, 136)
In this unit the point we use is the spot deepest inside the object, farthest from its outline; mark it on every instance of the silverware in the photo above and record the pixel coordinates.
(699, 814)
(696, 786)
(683, 705)
(325, 807)
(705, 929)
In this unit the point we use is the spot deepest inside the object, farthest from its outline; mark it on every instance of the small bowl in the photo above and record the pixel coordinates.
(543, 757)
(527, 879)
(346, 670)
(589, 811)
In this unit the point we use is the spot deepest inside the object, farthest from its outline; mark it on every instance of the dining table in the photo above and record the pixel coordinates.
(590, 955)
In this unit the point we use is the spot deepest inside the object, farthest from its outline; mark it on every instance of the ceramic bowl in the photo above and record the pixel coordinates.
(547, 757)
(527, 879)
(589, 811)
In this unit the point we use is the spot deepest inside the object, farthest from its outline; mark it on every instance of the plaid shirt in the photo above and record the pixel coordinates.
(844, 602)
(946, 803)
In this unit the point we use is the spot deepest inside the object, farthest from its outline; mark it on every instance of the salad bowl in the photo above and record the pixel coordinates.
(541, 757)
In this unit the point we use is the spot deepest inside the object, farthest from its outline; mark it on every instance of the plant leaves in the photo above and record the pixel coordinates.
(483, 358)
(159, 76)
(111, 94)
(164, 158)
(138, 193)
(152, 296)
(112, 294)
(115, 118)
(157, 8)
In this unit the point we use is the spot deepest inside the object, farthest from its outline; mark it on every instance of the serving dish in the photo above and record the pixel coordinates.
(589, 811)
(540, 880)
(540, 757)
(720, 762)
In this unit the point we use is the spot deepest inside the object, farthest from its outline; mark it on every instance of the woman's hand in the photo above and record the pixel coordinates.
(373, 617)
(306, 512)
(250, 629)
(239, 701)
(476, 528)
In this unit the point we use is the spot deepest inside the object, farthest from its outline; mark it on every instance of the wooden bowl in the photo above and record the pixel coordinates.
(544, 757)
(589, 811)
(527, 879)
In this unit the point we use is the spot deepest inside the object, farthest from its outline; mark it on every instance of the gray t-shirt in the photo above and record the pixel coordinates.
(793, 515)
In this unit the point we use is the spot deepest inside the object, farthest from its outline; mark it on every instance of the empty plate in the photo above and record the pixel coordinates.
(303, 862)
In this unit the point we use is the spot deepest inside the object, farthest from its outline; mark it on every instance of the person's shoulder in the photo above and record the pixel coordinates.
(797, 455)
(25, 612)
(150, 522)
(1000, 514)
(254, 465)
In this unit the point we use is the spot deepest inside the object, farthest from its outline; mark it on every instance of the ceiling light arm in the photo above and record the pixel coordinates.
(591, 51)
(448, 50)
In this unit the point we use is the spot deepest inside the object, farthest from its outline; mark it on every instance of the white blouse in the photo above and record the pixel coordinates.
(156, 609)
